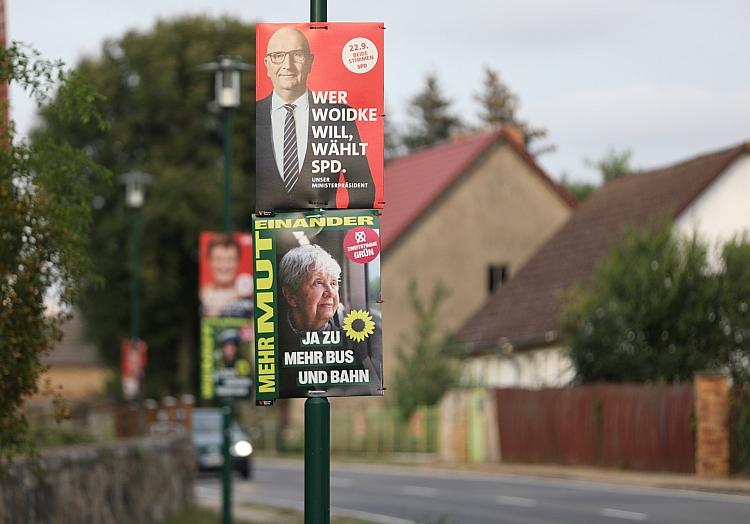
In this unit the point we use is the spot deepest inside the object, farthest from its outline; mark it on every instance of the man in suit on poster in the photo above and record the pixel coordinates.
(289, 173)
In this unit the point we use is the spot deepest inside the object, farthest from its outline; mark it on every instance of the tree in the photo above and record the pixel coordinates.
(433, 120)
(158, 108)
(45, 197)
(499, 106)
(426, 369)
(734, 312)
(614, 164)
(580, 190)
(657, 310)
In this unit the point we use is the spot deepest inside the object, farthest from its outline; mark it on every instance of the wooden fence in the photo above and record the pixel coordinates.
(623, 426)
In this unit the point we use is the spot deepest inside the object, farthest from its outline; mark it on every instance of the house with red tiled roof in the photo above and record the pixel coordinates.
(512, 337)
(467, 213)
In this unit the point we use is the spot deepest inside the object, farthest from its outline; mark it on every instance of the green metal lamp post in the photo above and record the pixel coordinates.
(135, 192)
(318, 413)
(318, 11)
(227, 96)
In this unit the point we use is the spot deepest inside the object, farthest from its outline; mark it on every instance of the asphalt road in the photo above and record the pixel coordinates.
(404, 495)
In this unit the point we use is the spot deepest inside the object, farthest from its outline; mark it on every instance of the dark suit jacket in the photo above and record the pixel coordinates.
(270, 192)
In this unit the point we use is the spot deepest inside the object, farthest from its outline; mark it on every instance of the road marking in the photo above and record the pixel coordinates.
(515, 501)
(419, 491)
(520, 478)
(622, 514)
(211, 498)
(369, 517)
(341, 482)
(377, 471)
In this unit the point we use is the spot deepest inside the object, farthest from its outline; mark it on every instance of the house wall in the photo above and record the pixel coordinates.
(536, 368)
(500, 213)
(722, 211)
(78, 382)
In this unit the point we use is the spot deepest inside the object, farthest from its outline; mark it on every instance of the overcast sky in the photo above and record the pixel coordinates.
(667, 78)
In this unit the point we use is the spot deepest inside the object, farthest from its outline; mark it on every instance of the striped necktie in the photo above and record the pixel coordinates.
(291, 161)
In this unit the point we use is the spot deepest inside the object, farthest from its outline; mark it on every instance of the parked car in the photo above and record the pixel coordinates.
(207, 439)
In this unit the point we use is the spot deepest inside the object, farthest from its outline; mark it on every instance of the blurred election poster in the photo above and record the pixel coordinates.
(318, 314)
(133, 357)
(226, 345)
(226, 274)
(319, 116)
(226, 295)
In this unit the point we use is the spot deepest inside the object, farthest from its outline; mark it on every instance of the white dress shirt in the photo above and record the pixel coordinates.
(278, 116)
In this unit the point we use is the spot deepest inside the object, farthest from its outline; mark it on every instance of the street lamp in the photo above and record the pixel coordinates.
(135, 190)
(227, 80)
(135, 187)
(227, 96)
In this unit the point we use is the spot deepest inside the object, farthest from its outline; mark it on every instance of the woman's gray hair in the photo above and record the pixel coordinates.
(298, 261)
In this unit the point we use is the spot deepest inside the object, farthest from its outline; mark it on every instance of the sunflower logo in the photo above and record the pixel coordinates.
(358, 325)
(242, 367)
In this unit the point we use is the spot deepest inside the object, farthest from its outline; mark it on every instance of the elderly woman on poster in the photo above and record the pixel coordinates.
(313, 321)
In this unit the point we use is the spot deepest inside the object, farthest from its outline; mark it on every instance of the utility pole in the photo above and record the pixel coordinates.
(318, 413)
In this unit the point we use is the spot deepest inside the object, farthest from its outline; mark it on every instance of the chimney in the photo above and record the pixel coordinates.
(513, 133)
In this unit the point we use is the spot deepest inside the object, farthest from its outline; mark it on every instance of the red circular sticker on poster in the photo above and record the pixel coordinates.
(362, 245)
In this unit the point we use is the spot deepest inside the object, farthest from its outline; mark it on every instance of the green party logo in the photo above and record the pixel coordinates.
(358, 325)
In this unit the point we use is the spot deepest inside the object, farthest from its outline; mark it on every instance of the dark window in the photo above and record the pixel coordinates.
(497, 276)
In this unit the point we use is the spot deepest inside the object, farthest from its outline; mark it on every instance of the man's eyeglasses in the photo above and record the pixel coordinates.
(298, 55)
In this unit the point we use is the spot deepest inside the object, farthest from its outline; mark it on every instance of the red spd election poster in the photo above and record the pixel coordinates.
(319, 120)
(226, 274)
(133, 358)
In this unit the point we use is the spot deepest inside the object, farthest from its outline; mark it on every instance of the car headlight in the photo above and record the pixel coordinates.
(242, 448)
